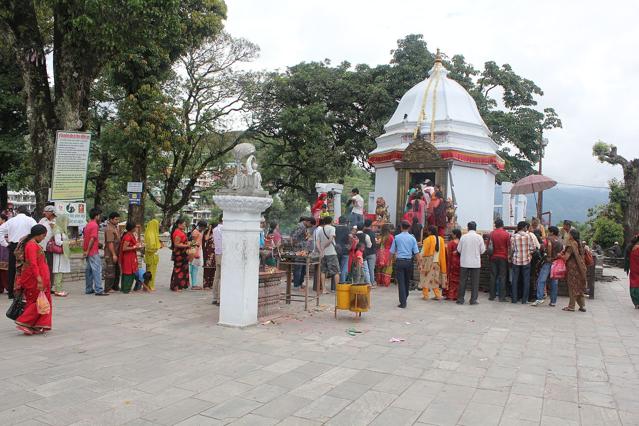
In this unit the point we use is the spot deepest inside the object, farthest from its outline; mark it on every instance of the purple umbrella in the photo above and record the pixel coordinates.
(531, 184)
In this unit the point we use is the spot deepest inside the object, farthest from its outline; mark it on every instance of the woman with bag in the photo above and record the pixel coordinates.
(384, 259)
(433, 264)
(33, 283)
(61, 253)
(128, 257)
(573, 255)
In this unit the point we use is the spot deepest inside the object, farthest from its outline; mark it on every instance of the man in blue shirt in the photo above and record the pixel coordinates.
(403, 249)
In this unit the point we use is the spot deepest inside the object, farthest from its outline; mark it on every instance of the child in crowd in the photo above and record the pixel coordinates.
(357, 270)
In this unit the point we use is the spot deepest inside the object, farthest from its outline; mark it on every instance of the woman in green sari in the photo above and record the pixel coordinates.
(61, 261)
(152, 244)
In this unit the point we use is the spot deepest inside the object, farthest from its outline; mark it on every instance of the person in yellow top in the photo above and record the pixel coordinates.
(152, 244)
(433, 264)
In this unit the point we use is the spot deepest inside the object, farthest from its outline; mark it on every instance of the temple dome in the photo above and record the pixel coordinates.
(442, 100)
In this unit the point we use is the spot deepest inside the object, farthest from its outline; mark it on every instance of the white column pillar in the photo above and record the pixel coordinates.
(337, 199)
(240, 258)
(507, 211)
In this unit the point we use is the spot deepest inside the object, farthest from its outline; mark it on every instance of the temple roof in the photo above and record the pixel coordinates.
(437, 99)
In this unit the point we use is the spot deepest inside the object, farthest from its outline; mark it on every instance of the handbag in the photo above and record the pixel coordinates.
(558, 269)
(42, 303)
(52, 247)
(16, 308)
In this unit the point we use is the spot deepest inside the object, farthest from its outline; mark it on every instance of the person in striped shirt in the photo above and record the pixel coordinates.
(521, 249)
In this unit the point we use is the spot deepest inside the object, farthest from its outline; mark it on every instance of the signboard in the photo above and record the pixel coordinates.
(135, 198)
(76, 212)
(70, 165)
(134, 187)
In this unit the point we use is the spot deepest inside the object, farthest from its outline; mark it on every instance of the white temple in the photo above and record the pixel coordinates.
(438, 113)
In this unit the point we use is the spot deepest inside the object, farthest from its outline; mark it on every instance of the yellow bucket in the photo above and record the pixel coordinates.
(342, 296)
(360, 297)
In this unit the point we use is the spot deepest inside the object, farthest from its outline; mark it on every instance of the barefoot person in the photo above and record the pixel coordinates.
(33, 278)
(179, 245)
(129, 246)
(575, 271)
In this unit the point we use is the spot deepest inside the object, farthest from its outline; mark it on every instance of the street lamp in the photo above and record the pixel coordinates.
(543, 143)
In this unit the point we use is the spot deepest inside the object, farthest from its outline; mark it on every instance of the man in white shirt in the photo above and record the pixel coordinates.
(357, 208)
(217, 242)
(11, 232)
(325, 244)
(48, 221)
(470, 247)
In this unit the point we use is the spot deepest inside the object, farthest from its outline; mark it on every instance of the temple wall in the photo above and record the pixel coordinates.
(475, 195)
(386, 187)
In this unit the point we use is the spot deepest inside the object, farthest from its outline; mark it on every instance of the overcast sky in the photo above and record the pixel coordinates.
(583, 54)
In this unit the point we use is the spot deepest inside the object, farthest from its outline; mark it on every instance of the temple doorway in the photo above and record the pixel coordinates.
(420, 177)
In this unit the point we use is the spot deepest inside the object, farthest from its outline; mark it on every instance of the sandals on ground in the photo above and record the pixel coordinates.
(568, 309)
(61, 294)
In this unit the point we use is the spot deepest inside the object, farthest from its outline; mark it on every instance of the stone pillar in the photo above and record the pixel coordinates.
(507, 210)
(337, 200)
(240, 257)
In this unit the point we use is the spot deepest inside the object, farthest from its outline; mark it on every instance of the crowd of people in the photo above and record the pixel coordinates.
(35, 256)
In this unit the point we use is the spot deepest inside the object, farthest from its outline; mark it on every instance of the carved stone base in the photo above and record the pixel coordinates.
(240, 257)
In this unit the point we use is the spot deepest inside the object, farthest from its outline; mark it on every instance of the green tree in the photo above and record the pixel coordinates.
(85, 37)
(212, 95)
(607, 232)
(315, 120)
(13, 122)
(627, 195)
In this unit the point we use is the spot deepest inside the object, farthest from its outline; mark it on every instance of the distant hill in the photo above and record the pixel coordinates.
(565, 202)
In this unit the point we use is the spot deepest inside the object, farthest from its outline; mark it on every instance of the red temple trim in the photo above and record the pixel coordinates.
(464, 157)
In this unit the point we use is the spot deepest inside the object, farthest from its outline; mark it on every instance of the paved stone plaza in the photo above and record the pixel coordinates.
(161, 359)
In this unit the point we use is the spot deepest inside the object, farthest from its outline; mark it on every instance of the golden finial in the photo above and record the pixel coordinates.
(438, 57)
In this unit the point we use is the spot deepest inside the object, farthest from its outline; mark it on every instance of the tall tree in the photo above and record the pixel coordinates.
(84, 37)
(607, 153)
(13, 121)
(211, 97)
(315, 120)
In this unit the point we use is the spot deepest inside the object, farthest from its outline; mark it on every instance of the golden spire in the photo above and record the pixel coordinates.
(438, 57)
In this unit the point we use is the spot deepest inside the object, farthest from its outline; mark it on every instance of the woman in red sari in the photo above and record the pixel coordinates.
(452, 259)
(128, 257)
(179, 245)
(632, 269)
(33, 277)
(384, 260)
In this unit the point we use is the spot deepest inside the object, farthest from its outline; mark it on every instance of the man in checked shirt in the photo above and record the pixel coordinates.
(521, 248)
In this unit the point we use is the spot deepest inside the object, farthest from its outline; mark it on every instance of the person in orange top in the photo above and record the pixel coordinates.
(433, 264)
(128, 257)
(33, 278)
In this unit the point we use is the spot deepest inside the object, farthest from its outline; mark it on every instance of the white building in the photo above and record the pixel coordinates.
(22, 198)
(437, 133)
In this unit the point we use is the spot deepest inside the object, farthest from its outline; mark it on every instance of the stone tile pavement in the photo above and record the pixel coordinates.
(161, 359)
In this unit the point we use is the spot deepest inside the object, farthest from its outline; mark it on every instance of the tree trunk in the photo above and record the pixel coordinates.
(631, 213)
(138, 174)
(73, 73)
(28, 45)
(106, 164)
(4, 195)
(167, 220)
